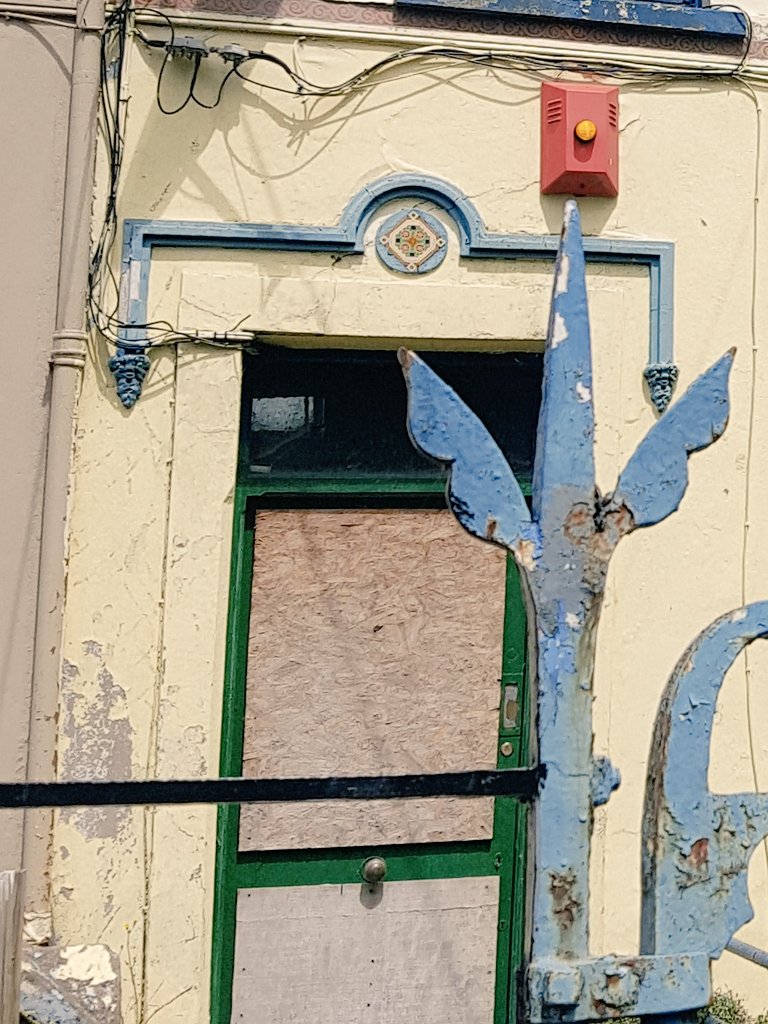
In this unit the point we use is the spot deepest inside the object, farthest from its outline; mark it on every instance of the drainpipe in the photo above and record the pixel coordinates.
(67, 361)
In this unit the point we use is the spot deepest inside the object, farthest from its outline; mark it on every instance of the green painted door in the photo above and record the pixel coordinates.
(367, 635)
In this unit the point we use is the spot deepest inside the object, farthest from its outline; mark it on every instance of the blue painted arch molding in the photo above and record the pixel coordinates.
(142, 237)
(462, 211)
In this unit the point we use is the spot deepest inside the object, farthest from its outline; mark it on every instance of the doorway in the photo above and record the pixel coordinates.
(369, 635)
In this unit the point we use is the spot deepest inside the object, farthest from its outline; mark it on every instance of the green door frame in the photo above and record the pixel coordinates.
(503, 855)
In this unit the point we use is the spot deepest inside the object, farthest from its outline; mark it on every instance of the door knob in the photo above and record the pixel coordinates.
(374, 870)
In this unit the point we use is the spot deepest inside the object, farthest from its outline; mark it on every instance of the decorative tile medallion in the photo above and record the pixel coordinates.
(412, 243)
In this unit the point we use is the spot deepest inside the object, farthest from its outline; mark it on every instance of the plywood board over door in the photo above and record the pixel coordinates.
(375, 647)
(420, 952)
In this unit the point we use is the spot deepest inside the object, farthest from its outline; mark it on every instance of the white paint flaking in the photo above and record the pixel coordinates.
(90, 964)
(134, 276)
(559, 331)
(583, 393)
(572, 620)
(561, 282)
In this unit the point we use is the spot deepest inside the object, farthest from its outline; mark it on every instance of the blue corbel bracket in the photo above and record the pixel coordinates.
(129, 367)
(661, 379)
(142, 237)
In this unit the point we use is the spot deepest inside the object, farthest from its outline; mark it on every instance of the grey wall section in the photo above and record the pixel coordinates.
(34, 102)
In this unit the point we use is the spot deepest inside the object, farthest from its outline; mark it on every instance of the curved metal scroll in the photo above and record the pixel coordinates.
(697, 844)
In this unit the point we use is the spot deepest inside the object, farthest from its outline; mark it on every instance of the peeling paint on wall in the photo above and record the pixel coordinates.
(91, 965)
(97, 737)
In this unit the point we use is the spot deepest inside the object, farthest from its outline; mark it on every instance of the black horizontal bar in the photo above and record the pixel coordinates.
(519, 782)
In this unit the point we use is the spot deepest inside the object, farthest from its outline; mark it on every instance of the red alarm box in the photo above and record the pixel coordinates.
(579, 139)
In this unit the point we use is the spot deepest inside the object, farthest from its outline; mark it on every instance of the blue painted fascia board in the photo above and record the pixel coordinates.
(671, 15)
(143, 236)
(348, 237)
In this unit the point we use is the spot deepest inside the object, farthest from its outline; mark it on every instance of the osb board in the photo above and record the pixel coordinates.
(375, 648)
(419, 952)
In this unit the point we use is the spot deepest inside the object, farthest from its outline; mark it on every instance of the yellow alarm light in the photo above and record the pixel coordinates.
(585, 130)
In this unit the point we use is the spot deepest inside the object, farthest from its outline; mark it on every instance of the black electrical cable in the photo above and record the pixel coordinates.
(748, 38)
(113, 38)
(155, 42)
(212, 106)
(303, 87)
(169, 48)
(190, 93)
(306, 88)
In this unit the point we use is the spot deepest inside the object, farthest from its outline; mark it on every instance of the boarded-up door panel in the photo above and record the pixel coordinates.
(420, 952)
(375, 648)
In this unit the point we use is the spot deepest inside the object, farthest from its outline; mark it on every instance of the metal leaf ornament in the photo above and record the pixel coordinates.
(483, 492)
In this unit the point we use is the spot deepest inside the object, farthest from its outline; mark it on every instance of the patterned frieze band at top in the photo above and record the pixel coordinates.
(667, 24)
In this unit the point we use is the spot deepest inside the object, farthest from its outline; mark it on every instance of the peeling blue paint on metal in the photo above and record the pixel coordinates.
(610, 987)
(563, 550)
(483, 492)
(564, 462)
(696, 844)
(687, 16)
(141, 237)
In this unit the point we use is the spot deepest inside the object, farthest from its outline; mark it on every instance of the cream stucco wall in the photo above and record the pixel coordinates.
(34, 126)
(148, 570)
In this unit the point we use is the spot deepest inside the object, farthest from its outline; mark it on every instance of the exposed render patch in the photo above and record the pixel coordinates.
(90, 964)
(99, 747)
